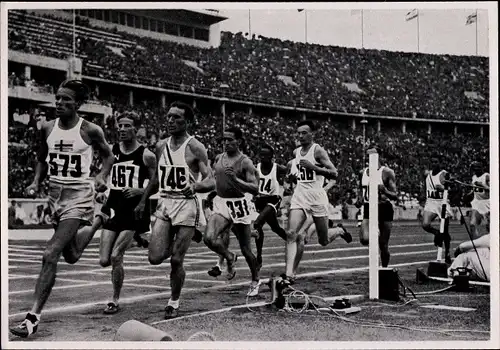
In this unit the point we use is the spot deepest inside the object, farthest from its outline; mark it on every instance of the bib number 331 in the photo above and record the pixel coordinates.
(238, 208)
(173, 178)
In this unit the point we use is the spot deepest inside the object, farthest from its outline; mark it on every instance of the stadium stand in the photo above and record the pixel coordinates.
(259, 69)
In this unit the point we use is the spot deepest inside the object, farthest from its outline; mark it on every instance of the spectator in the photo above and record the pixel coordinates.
(20, 215)
(478, 262)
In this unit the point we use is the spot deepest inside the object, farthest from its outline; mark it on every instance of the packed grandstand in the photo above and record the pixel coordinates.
(271, 84)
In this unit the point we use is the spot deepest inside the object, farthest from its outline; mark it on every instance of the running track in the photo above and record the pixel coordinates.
(86, 286)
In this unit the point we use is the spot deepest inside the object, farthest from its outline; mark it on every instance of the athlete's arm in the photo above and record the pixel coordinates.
(485, 185)
(329, 185)
(99, 143)
(281, 171)
(481, 242)
(207, 183)
(444, 178)
(153, 182)
(251, 182)
(389, 187)
(149, 159)
(41, 165)
(328, 170)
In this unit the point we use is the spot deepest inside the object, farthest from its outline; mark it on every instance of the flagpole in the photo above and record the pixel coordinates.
(418, 31)
(249, 25)
(362, 31)
(74, 33)
(307, 52)
(477, 19)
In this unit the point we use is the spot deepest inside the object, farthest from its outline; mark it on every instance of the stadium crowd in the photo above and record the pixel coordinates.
(408, 154)
(280, 72)
(284, 72)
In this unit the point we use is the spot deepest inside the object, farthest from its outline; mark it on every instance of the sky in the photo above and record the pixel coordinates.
(441, 31)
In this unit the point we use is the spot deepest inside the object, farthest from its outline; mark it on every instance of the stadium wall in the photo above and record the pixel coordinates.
(214, 42)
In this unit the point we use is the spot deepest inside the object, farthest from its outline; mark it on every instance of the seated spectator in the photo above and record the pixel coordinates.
(478, 262)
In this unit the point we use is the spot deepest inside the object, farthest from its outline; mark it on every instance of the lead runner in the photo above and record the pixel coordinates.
(65, 152)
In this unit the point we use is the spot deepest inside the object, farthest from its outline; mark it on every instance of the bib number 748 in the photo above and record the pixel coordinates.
(173, 178)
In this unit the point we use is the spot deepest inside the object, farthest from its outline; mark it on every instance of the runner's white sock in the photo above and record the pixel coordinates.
(174, 304)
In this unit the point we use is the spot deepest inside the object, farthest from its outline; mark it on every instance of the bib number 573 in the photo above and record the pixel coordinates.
(58, 169)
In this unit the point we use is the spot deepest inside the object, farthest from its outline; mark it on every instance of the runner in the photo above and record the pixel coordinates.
(134, 166)
(66, 150)
(182, 172)
(268, 200)
(236, 179)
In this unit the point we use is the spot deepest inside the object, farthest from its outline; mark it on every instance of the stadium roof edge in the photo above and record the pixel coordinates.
(197, 15)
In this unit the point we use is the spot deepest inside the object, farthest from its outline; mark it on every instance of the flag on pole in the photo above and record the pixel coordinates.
(472, 18)
(300, 10)
(411, 15)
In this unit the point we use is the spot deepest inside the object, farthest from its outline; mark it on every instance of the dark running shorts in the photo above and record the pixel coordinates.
(124, 220)
(262, 201)
(385, 212)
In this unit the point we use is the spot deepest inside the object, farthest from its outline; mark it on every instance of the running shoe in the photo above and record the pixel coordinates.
(346, 236)
(28, 327)
(111, 308)
(171, 312)
(254, 289)
(215, 271)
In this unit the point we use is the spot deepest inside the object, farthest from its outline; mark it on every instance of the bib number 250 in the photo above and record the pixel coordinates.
(238, 209)
(305, 174)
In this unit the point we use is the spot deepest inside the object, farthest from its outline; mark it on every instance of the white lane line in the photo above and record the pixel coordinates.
(206, 281)
(192, 273)
(134, 299)
(96, 259)
(162, 266)
(28, 261)
(108, 282)
(145, 286)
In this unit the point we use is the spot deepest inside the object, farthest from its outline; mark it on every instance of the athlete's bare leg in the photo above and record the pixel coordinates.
(112, 249)
(295, 221)
(162, 238)
(64, 233)
(216, 225)
(383, 242)
(243, 233)
(428, 218)
(268, 216)
(74, 250)
(475, 222)
(177, 274)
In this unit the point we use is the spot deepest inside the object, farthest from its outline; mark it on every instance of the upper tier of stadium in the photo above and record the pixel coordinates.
(270, 70)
